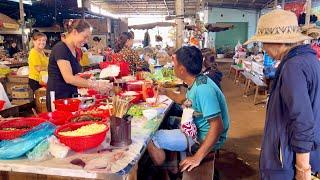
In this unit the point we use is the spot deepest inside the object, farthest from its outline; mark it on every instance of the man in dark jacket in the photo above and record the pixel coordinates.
(291, 141)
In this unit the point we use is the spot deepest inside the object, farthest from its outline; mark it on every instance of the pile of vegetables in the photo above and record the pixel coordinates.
(165, 75)
(135, 111)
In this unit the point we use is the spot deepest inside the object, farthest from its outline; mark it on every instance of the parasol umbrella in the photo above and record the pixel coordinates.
(152, 25)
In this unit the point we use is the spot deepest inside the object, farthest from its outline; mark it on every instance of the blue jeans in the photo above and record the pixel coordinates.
(172, 140)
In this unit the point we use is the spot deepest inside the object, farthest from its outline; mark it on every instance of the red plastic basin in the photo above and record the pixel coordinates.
(57, 117)
(70, 104)
(80, 143)
(27, 123)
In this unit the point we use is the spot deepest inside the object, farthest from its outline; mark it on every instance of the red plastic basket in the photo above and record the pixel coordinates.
(2, 103)
(80, 143)
(18, 123)
(57, 117)
(70, 104)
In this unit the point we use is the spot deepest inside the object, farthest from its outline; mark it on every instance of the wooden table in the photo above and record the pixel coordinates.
(236, 70)
(109, 163)
(255, 82)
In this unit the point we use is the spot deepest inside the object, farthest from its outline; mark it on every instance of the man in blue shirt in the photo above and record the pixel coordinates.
(208, 100)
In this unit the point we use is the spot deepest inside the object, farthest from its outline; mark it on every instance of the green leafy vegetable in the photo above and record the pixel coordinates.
(135, 111)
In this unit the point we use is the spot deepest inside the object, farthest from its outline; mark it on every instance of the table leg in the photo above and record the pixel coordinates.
(245, 87)
(256, 95)
(235, 76)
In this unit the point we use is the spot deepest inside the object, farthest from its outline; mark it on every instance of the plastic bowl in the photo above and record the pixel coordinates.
(150, 113)
(137, 97)
(80, 143)
(151, 101)
(105, 113)
(70, 104)
(57, 117)
(27, 123)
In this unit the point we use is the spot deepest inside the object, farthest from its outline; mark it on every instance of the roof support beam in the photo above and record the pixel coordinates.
(165, 3)
(132, 7)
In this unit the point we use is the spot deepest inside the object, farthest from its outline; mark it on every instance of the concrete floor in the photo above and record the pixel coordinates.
(239, 158)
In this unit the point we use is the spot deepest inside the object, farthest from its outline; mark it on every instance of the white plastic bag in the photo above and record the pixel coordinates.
(57, 149)
(110, 71)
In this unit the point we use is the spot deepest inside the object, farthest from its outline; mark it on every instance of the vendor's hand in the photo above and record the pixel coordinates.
(189, 163)
(300, 175)
(104, 87)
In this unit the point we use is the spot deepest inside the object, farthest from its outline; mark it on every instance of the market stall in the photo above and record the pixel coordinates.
(102, 162)
(118, 124)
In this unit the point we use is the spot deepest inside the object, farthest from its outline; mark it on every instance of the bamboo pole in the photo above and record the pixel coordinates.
(23, 25)
(275, 4)
(283, 4)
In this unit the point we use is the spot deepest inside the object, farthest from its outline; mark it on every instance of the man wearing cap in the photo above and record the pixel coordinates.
(291, 141)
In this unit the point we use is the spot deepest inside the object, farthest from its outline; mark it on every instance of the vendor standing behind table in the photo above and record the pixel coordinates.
(124, 46)
(13, 49)
(38, 61)
(97, 46)
(64, 66)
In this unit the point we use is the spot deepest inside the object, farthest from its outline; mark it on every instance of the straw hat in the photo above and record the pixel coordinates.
(278, 26)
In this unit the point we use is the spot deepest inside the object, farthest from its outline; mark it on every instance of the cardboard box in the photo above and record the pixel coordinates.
(18, 94)
(20, 101)
(18, 79)
(10, 86)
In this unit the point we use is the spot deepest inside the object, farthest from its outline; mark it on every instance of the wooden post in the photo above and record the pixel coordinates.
(179, 22)
(275, 4)
(283, 3)
(23, 24)
(308, 12)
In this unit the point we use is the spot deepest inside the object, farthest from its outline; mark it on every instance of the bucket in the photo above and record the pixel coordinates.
(120, 131)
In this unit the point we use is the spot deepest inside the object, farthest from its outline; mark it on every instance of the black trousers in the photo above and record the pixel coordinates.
(34, 85)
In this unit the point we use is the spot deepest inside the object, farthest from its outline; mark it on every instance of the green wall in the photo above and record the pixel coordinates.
(214, 15)
(231, 37)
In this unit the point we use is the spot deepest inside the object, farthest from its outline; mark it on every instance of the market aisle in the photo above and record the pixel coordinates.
(240, 157)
